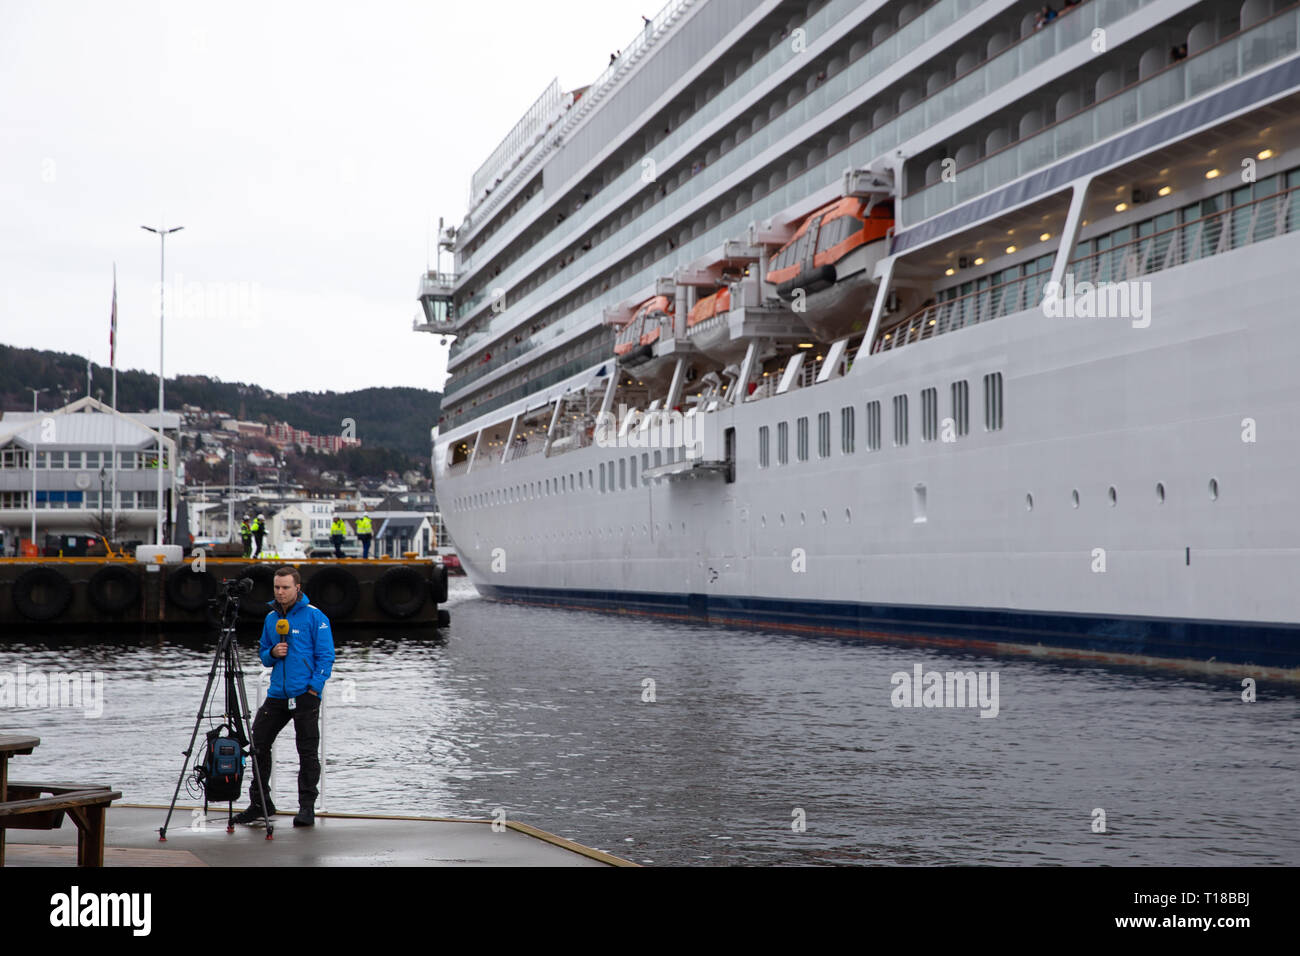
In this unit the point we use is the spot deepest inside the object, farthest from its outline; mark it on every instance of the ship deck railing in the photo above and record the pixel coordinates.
(1212, 234)
(525, 449)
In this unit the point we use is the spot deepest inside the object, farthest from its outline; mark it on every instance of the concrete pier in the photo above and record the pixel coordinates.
(335, 840)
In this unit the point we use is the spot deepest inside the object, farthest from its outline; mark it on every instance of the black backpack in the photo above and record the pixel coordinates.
(221, 772)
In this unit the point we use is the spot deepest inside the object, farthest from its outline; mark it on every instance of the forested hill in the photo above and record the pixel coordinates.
(394, 418)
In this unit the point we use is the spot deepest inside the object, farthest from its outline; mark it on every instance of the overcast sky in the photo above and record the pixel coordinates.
(307, 148)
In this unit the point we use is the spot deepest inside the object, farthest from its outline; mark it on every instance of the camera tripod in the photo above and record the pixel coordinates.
(236, 714)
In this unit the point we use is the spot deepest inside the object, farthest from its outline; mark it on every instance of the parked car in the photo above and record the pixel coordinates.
(69, 545)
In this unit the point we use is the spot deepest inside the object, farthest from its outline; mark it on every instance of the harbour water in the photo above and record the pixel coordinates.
(672, 743)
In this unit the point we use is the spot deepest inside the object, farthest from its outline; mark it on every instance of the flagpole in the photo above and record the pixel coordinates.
(162, 233)
(112, 350)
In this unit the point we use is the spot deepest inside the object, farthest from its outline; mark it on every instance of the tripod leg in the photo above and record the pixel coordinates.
(203, 706)
(244, 716)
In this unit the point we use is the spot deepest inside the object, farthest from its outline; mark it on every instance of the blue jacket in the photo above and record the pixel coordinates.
(311, 650)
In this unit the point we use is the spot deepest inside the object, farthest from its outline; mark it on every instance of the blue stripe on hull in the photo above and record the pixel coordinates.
(1226, 642)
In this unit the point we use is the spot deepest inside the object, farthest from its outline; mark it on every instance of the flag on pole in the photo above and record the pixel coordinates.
(112, 324)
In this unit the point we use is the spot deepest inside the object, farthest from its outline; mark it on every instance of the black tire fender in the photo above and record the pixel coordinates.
(113, 588)
(41, 593)
(189, 590)
(334, 590)
(400, 592)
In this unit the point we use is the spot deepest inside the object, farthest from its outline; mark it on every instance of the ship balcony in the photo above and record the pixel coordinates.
(1214, 67)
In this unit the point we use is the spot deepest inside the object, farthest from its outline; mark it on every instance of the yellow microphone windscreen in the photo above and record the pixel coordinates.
(282, 627)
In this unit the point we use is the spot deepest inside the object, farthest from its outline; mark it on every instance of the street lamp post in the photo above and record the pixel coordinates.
(162, 235)
(35, 411)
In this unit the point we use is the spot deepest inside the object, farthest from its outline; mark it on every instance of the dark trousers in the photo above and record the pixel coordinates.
(257, 536)
(271, 718)
(365, 545)
(337, 541)
(248, 546)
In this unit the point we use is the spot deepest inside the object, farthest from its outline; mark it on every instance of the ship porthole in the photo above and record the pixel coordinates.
(825, 516)
(1160, 492)
(1214, 489)
(782, 519)
(1074, 497)
(762, 521)
(803, 518)
(848, 516)
(1029, 502)
(1111, 495)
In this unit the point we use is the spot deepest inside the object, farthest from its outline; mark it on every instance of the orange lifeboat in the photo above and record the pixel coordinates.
(644, 328)
(719, 303)
(634, 343)
(829, 263)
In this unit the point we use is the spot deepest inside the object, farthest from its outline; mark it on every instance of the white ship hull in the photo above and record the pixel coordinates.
(1090, 404)
(1117, 487)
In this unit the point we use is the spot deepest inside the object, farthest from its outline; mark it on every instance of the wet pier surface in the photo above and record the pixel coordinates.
(335, 840)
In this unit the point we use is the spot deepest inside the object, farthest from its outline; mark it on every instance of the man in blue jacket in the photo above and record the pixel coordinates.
(298, 645)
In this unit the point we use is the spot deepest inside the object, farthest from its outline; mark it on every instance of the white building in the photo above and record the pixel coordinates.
(307, 521)
(74, 471)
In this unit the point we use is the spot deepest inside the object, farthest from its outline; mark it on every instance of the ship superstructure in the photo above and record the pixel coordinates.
(963, 320)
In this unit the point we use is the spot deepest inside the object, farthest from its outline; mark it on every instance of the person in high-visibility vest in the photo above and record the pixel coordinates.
(259, 532)
(337, 530)
(363, 534)
(246, 535)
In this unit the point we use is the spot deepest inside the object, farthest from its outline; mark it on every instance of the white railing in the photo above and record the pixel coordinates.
(1210, 235)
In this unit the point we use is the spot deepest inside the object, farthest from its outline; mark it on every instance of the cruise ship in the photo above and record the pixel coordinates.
(960, 323)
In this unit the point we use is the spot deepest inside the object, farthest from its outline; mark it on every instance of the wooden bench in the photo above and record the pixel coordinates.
(27, 809)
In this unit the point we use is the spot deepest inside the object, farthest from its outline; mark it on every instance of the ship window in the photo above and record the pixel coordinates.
(591, 479)
(929, 414)
(961, 406)
(801, 438)
(836, 231)
(782, 443)
(847, 430)
(622, 474)
(602, 477)
(824, 435)
(873, 426)
(631, 471)
(763, 436)
(659, 459)
(645, 464)
(993, 402)
(801, 249)
(900, 420)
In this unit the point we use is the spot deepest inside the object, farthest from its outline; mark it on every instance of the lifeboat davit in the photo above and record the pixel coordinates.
(634, 344)
(826, 270)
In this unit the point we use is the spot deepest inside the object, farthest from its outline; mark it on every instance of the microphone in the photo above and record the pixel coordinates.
(282, 627)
